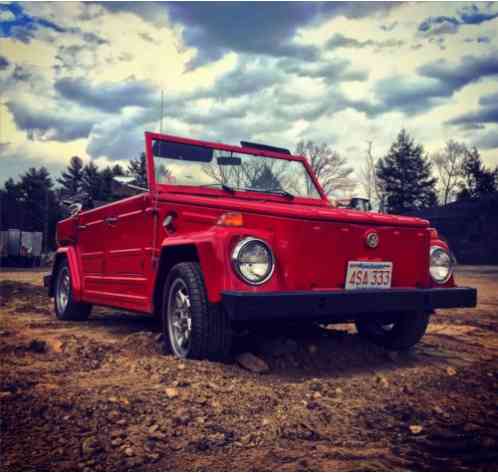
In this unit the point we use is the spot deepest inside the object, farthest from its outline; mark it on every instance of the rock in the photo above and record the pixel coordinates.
(451, 371)
(181, 366)
(415, 429)
(252, 363)
(317, 395)
(312, 349)
(315, 385)
(129, 452)
(159, 338)
(339, 392)
(382, 380)
(265, 422)
(90, 446)
(171, 393)
(38, 346)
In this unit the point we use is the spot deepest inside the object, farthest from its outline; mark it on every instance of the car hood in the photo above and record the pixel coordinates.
(297, 211)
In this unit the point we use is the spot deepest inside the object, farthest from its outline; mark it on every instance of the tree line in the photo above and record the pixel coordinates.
(405, 179)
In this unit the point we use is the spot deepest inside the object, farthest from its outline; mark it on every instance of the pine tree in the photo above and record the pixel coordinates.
(92, 181)
(478, 181)
(72, 179)
(138, 169)
(405, 177)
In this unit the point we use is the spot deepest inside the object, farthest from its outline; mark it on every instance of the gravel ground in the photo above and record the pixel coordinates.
(101, 395)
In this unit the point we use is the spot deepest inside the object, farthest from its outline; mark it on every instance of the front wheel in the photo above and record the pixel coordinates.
(66, 308)
(192, 326)
(404, 332)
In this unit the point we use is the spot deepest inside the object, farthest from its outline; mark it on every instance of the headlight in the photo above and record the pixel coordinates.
(441, 265)
(253, 260)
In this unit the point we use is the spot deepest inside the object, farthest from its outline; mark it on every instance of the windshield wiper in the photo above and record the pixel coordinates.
(281, 192)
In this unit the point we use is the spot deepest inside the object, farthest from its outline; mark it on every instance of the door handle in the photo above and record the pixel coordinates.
(82, 227)
(111, 220)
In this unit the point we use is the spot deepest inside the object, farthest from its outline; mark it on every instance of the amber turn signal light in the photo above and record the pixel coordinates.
(231, 219)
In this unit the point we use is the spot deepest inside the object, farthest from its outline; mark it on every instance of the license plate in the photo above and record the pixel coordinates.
(369, 274)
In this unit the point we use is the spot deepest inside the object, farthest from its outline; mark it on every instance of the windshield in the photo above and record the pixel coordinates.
(191, 165)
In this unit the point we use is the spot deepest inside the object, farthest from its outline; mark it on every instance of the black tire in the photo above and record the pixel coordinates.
(70, 310)
(402, 334)
(210, 335)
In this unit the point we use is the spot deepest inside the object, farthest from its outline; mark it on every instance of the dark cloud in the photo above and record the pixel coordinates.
(94, 39)
(341, 41)
(440, 25)
(42, 124)
(470, 69)
(215, 28)
(389, 26)
(488, 140)
(337, 70)
(4, 63)
(438, 81)
(107, 97)
(487, 113)
(410, 96)
(479, 40)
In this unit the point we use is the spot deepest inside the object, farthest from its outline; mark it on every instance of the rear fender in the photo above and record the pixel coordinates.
(68, 253)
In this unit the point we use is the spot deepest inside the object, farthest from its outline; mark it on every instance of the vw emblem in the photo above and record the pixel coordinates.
(372, 239)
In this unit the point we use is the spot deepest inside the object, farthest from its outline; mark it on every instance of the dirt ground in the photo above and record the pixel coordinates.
(100, 395)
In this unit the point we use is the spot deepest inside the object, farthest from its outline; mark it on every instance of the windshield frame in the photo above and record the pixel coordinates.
(187, 189)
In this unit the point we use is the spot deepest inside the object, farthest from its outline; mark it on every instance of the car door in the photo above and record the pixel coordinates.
(129, 230)
(91, 247)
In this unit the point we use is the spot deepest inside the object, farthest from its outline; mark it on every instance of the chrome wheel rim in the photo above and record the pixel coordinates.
(63, 290)
(179, 318)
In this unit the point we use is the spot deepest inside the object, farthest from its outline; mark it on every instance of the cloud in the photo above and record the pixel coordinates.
(488, 140)
(341, 41)
(215, 28)
(440, 25)
(22, 26)
(470, 69)
(4, 63)
(43, 124)
(108, 97)
(487, 113)
(6, 15)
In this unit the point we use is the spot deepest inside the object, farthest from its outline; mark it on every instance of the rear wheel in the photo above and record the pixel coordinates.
(66, 308)
(192, 326)
(404, 332)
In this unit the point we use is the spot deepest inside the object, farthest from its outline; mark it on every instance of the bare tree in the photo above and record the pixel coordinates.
(330, 168)
(449, 167)
(368, 177)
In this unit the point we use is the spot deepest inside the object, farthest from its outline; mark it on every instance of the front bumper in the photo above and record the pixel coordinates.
(341, 304)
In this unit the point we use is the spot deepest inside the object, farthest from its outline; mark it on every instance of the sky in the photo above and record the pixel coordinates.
(85, 79)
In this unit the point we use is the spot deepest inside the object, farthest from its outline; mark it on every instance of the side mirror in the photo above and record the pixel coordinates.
(127, 181)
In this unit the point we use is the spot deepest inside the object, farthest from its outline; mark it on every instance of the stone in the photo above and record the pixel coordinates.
(382, 380)
(252, 363)
(171, 393)
(451, 371)
(129, 452)
(38, 346)
(415, 429)
(90, 446)
(338, 391)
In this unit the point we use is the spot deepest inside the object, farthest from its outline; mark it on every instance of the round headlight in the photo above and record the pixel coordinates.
(441, 265)
(253, 260)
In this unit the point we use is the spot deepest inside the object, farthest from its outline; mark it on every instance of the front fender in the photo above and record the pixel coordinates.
(210, 253)
(69, 253)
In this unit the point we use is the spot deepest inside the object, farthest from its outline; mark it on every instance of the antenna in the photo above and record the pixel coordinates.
(162, 112)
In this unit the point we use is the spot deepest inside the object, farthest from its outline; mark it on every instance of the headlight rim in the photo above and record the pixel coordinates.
(433, 249)
(235, 255)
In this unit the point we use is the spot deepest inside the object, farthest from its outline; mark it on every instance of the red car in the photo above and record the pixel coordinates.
(228, 235)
